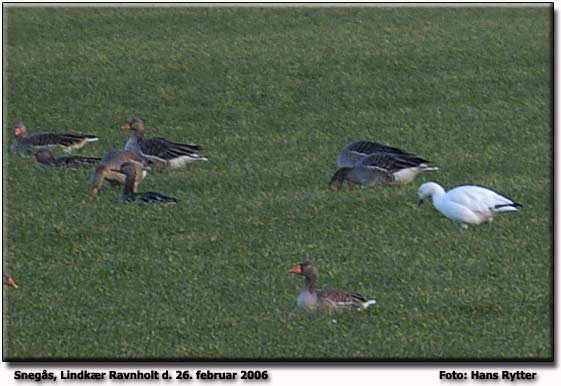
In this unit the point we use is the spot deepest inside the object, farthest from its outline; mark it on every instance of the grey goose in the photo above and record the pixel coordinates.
(311, 298)
(68, 141)
(174, 155)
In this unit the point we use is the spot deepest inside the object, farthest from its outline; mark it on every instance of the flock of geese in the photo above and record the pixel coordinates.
(362, 163)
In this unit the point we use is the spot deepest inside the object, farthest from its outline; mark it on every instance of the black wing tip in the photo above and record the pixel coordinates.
(514, 204)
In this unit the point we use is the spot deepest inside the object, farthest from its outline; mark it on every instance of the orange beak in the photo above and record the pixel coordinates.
(297, 270)
(126, 127)
(11, 282)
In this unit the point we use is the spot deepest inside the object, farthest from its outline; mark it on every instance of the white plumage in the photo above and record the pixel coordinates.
(467, 204)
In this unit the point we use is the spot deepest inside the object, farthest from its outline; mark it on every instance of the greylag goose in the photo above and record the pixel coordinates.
(311, 298)
(109, 166)
(9, 280)
(173, 154)
(133, 172)
(45, 157)
(467, 204)
(385, 166)
(68, 141)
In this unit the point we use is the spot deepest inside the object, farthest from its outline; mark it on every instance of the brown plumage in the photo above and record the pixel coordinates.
(312, 298)
(45, 157)
(109, 166)
(173, 154)
(8, 280)
(67, 141)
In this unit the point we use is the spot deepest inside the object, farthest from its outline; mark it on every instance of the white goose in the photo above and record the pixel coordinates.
(467, 204)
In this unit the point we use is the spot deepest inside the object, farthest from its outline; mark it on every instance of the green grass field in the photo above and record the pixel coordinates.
(272, 95)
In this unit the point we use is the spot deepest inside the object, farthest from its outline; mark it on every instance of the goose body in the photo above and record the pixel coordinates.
(370, 163)
(133, 172)
(467, 204)
(311, 298)
(174, 155)
(37, 141)
(46, 158)
(109, 169)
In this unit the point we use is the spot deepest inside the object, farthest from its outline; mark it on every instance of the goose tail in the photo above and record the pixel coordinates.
(429, 168)
(368, 303)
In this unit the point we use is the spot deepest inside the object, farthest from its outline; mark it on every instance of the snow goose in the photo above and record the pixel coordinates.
(109, 166)
(8, 280)
(68, 141)
(386, 167)
(311, 298)
(46, 158)
(133, 172)
(467, 204)
(173, 154)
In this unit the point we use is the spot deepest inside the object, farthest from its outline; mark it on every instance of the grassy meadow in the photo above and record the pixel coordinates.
(272, 95)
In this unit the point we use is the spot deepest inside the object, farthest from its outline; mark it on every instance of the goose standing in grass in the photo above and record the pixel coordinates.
(370, 163)
(8, 280)
(67, 141)
(46, 158)
(109, 166)
(467, 204)
(174, 155)
(133, 172)
(311, 298)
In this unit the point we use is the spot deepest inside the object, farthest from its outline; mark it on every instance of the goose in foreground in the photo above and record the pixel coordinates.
(174, 155)
(467, 204)
(46, 158)
(385, 167)
(109, 169)
(357, 151)
(7, 279)
(133, 172)
(67, 141)
(311, 298)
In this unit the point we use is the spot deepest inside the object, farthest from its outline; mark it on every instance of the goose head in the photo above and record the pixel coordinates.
(134, 124)
(428, 189)
(306, 269)
(7, 279)
(20, 130)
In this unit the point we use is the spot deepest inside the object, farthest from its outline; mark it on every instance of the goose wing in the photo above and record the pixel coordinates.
(391, 162)
(368, 147)
(336, 298)
(167, 150)
(480, 199)
(157, 198)
(73, 160)
(58, 139)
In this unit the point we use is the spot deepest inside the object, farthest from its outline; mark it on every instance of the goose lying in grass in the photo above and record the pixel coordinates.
(109, 166)
(46, 158)
(467, 204)
(8, 280)
(370, 163)
(133, 172)
(67, 141)
(174, 155)
(311, 298)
